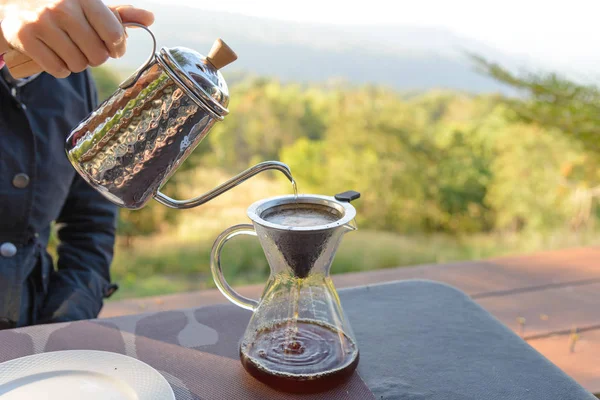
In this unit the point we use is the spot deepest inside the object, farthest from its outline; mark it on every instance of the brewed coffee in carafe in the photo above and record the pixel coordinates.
(298, 338)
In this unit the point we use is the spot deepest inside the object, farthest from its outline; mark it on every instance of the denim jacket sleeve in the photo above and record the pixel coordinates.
(87, 234)
(86, 230)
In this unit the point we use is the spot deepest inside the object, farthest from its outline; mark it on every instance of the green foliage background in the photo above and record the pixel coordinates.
(435, 163)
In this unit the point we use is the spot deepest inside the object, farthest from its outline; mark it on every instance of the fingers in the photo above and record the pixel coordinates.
(66, 36)
(23, 36)
(132, 14)
(62, 46)
(47, 59)
(89, 43)
(106, 25)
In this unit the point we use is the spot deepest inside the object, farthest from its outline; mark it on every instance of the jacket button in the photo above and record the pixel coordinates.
(8, 250)
(20, 181)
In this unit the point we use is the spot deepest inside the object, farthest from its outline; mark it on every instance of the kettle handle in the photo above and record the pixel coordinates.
(129, 82)
(217, 272)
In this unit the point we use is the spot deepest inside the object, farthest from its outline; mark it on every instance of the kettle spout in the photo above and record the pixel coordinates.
(267, 165)
(278, 166)
(230, 184)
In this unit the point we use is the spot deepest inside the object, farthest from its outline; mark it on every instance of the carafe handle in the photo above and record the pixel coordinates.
(217, 272)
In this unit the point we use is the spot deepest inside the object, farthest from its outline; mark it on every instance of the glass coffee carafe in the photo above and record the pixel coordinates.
(298, 338)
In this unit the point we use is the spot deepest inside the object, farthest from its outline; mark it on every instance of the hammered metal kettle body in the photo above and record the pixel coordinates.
(136, 139)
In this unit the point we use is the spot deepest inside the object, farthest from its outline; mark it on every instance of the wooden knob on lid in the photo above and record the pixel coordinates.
(221, 55)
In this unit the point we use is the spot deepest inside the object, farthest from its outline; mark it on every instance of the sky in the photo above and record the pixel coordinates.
(559, 33)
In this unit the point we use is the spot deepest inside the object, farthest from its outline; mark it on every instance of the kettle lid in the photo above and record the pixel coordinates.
(201, 74)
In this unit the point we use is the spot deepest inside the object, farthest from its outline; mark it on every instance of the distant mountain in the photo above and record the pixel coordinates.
(405, 58)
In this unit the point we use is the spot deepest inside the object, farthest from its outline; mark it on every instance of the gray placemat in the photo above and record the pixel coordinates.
(425, 340)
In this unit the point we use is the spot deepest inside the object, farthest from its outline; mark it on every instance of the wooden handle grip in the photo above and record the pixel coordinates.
(20, 66)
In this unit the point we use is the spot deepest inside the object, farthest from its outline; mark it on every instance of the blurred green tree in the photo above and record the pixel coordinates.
(551, 101)
(440, 161)
(107, 81)
(569, 110)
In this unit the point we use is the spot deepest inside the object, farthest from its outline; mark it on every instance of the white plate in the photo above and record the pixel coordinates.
(81, 374)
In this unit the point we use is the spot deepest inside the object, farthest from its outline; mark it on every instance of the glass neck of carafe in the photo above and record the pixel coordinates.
(301, 253)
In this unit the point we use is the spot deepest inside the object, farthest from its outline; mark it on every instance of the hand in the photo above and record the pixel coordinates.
(65, 36)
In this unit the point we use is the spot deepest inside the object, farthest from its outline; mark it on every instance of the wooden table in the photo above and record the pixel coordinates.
(553, 293)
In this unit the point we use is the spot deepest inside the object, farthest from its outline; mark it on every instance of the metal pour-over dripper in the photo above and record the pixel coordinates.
(311, 234)
(298, 338)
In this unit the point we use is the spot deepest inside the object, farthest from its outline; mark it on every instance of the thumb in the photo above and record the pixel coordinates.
(133, 14)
